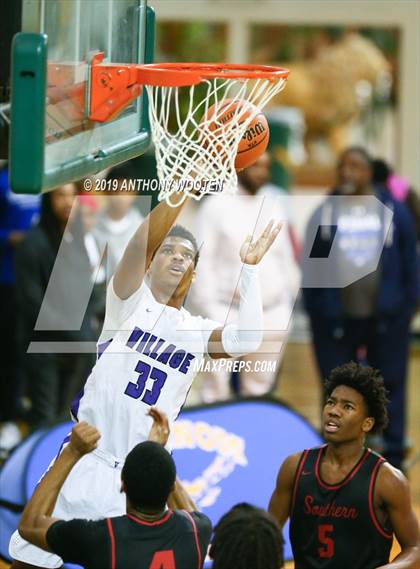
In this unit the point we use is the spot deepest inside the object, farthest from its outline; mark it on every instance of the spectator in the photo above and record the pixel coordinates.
(222, 223)
(17, 214)
(149, 535)
(247, 538)
(118, 221)
(373, 313)
(52, 379)
(399, 188)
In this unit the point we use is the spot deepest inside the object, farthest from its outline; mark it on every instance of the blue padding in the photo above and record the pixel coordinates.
(44, 453)
(13, 469)
(269, 432)
(12, 488)
(225, 454)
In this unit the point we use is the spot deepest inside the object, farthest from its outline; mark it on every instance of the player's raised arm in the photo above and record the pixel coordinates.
(143, 245)
(246, 336)
(159, 433)
(179, 499)
(36, 517)
(393, 494)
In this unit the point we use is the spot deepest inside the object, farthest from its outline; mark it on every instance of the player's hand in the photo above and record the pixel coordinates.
(159, 433)
(253, 251)
(84, 439)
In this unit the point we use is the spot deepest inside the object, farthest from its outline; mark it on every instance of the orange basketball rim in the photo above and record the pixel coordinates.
(192, 157)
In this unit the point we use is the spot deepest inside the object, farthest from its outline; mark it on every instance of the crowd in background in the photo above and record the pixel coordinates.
(58, 253)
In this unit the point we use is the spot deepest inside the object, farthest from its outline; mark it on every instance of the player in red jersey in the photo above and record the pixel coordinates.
(149, 536)
(344, 501)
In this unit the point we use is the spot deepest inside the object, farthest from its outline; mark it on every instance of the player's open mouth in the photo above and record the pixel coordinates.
(331, 427)
(176, 270)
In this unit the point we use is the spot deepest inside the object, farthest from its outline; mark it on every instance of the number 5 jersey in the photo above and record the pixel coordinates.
(334, 526)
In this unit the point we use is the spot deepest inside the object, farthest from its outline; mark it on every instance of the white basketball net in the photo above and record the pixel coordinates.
(194, 151)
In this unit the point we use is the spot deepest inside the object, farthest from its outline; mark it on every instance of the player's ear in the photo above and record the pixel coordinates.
(368, 424)
(122, 489)
(193, 277)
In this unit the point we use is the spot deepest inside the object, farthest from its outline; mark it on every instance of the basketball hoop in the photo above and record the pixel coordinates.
(192, 155)
(198, 114)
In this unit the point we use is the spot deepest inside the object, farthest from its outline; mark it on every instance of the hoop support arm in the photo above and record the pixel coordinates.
(111, 88)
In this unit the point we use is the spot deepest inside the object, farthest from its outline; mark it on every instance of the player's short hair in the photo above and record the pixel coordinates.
(247, 537)
(149, 475)
(369, 383)
(357, 150)
(180, 231)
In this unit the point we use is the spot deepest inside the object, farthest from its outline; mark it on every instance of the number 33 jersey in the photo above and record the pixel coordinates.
(148, 355)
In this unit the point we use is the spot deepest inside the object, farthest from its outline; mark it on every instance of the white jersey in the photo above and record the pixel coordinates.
(148, 354)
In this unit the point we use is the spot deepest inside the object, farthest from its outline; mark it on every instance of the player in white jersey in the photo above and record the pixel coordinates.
(148, 353)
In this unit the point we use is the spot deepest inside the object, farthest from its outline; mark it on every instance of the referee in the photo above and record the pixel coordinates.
(149, 536)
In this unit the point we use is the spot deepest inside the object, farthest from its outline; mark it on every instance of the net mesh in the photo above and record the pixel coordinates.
(195, 151)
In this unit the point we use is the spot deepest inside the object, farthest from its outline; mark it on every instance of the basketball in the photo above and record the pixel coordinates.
(255, 139)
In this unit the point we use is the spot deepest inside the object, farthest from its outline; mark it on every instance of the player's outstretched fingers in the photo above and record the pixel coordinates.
(159, 432)
(253, 252)
(273, 234)
(159, 416)
(268, 236)
(267, 230)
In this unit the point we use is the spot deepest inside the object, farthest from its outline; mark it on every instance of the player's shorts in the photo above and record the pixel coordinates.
(91, 491)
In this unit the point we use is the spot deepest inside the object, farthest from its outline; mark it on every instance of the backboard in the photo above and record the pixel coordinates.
(52, 140)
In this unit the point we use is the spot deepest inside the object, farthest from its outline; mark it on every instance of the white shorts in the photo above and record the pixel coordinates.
(91, 491)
